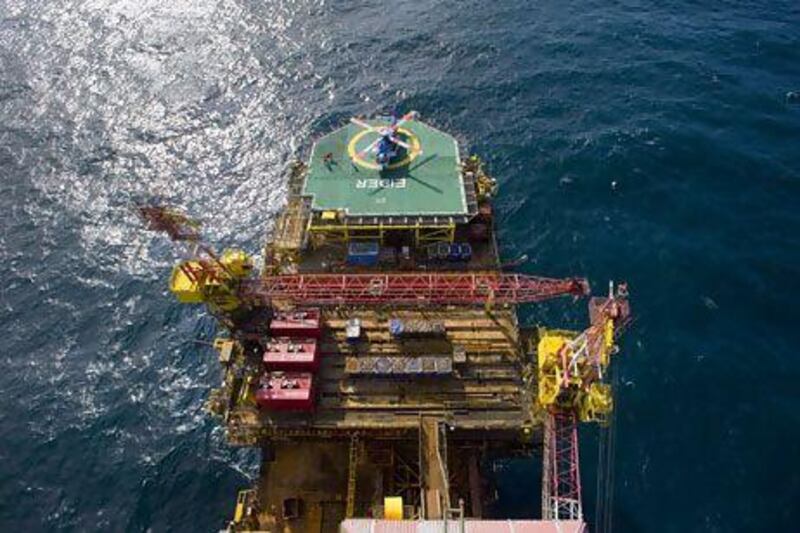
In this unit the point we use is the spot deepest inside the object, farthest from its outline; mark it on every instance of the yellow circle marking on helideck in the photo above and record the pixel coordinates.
(411, 154)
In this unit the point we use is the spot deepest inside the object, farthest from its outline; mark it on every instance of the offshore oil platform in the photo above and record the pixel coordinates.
(377, 359)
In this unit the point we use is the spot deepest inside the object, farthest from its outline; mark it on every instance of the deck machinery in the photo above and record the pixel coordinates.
(377, 360)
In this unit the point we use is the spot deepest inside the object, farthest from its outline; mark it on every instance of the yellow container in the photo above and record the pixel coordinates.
(393, 508)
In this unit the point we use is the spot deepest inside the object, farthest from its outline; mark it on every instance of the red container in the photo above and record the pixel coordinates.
(291, 354)
(286, 391)
(302, 323)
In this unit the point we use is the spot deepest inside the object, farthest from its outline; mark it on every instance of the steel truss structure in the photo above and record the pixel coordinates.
(562, 492)
(411, 288)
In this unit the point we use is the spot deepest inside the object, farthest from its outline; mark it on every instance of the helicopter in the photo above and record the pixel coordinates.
(386, 145)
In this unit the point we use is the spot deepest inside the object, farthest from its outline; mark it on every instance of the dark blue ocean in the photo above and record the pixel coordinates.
(653, 142)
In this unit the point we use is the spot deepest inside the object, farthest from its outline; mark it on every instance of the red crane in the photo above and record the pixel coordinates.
(411, 288)
(381, 288)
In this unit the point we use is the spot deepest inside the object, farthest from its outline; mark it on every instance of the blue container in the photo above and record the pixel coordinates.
(466, 251)
(454, 253)
(442, 251)
(396, 327)
(363, 253)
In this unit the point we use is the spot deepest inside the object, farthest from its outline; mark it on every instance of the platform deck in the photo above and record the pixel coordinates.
(486, 391)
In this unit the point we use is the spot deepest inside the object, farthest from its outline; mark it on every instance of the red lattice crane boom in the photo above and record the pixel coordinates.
(411, 288)
(161, 218)
(561, 478)
(185, 232)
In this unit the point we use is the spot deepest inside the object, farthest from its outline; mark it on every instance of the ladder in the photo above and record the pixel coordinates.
(351, 477)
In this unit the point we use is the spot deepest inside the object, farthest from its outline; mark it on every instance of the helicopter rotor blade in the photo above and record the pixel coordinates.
(369, 148)
(361, 123)
(400, 143)
(408, 116)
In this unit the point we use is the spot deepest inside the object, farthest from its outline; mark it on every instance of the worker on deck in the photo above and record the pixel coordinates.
(328, 161)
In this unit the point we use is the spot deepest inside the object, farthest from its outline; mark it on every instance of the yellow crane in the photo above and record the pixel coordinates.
(573, 388)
